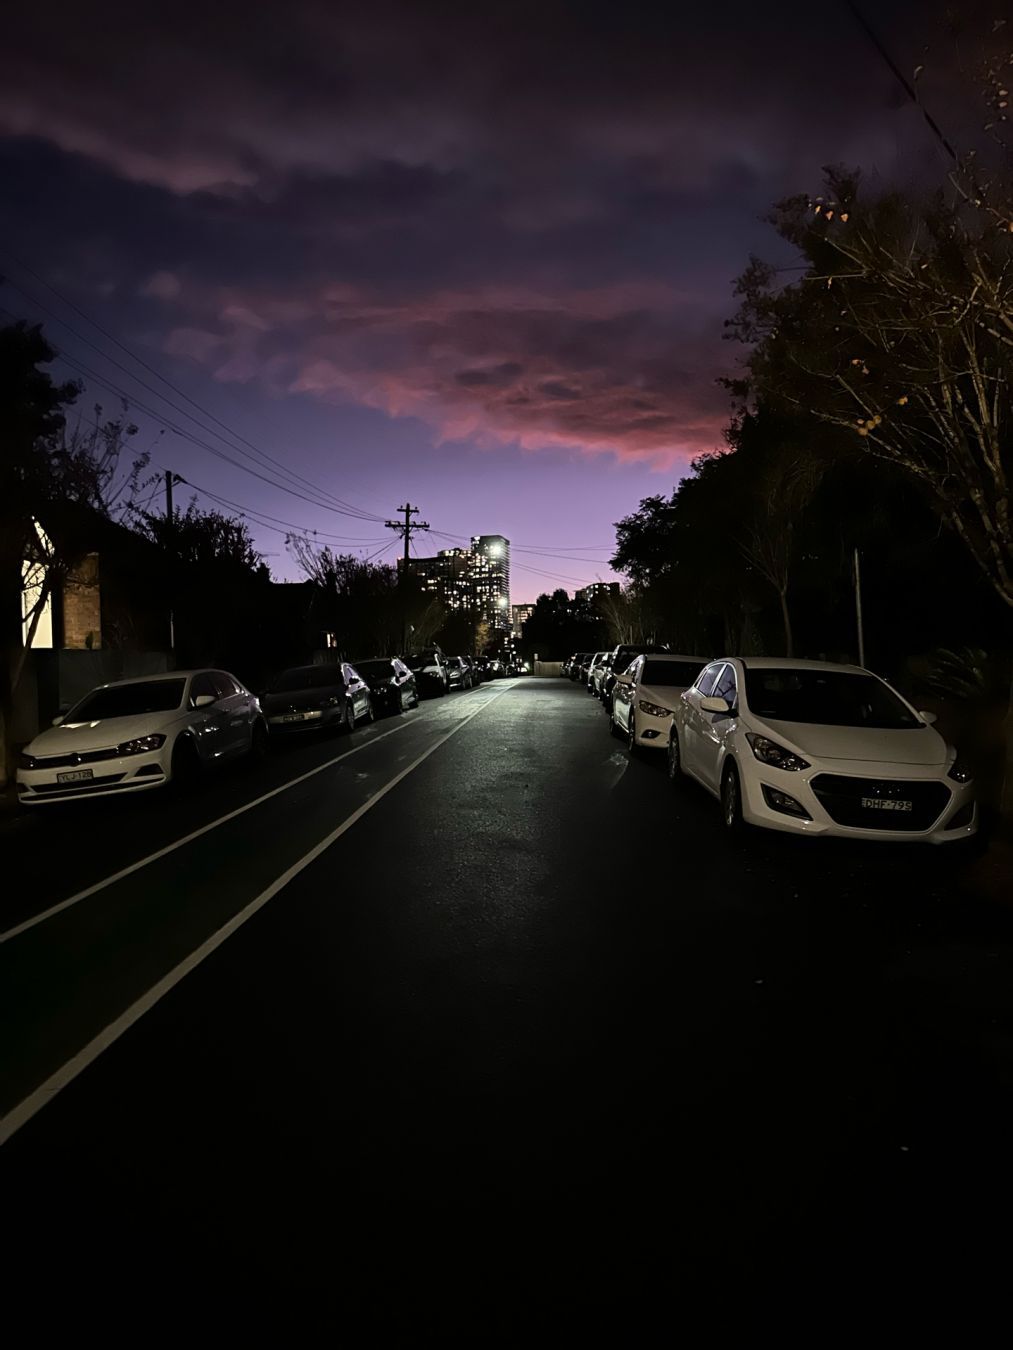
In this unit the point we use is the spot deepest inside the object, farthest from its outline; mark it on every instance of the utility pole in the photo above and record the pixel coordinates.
(170, 532)
(858, 612)
(406, 528)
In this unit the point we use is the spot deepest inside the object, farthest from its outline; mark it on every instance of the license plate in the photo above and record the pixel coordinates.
(75, 776)
(292, 717)
(886, 804)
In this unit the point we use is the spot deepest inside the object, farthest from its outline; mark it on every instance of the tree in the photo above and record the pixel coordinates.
(898, 338)
(199, 540)
(359, 601)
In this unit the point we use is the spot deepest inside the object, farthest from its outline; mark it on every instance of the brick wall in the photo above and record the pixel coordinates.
(82, 606)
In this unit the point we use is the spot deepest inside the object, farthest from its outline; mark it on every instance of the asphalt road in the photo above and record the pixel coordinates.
(469, 1026)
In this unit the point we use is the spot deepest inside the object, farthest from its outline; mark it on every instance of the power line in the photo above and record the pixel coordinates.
(901, 78)
(277, 465)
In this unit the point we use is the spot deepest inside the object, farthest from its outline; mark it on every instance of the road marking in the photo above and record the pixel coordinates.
(36, 919)
(56, 1082)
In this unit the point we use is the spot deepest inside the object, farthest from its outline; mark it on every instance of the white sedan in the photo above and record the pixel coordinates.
(813, 748)
(132, 735)
(646, 694)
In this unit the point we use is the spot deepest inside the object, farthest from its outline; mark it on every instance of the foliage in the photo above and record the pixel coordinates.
(558, 626)
(202, 540)
(898, 338)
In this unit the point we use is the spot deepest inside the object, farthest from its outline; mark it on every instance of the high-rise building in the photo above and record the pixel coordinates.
(491, 571)
(475, 578)
(520, 614)
(593, 595)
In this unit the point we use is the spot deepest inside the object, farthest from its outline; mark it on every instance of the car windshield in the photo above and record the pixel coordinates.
(679, 673)
(306, 677)
(419, 660)
(128, 700)
(372, 669)
(833, 698)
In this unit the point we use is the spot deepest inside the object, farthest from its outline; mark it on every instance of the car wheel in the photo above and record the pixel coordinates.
(674, 759)
(348, 719)
(614, 728)
(370, 714)
(731, 799)
(400, 702)
(631, 734)
(258, 742)
(186, 764)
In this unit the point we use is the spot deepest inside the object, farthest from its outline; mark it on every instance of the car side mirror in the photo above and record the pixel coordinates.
(928, 717)
(203, 700)
(714, 705)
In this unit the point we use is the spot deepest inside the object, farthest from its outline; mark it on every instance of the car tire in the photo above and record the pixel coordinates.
(631, 734)
(186, 766)
(258, 743)
(731, 799)
(348, 719)
(614, 728)
(674, 758)
(370, 715)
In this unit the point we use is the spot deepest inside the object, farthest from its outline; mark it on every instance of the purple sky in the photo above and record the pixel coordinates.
(477, 256)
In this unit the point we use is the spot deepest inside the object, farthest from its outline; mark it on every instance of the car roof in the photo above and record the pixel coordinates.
(674, 656)
(793, 663)
(163, 675)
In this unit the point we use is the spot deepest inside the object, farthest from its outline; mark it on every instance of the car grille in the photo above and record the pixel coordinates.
(74, 758)
(89, 785)
(841, 798)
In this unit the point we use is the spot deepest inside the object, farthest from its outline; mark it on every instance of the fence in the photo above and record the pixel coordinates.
(548, 668)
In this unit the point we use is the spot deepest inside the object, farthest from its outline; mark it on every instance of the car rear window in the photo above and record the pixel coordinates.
(679, 673)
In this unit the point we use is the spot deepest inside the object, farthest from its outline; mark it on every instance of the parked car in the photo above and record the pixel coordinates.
(474, 669)
(813, 748)
(391, 684)
(131, 735)
(317, 698)
(458, 673)
(646, 694)
(572, 664)
(592, 666)
(582, 666)
(430, 670)
(620, 659)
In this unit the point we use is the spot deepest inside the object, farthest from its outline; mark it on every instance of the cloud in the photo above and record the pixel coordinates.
(512, 226)
(161, 286)
(592, 370)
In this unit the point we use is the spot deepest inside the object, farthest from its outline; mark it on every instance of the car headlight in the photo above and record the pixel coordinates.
(25, 761)
(653, 709)
(331, 702)
(769, 752)
(141, 745)
(960, 771)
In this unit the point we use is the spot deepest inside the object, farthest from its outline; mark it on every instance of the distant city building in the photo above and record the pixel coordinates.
(595, 593)
(475, 578)
(520, 614)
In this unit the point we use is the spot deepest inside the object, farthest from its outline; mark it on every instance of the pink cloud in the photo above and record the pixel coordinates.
(626, 369)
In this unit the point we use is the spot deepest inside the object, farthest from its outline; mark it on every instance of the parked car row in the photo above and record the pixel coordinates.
(142, 733)
(804, 747)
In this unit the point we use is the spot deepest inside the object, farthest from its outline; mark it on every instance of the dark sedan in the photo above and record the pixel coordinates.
(391, 684)
(430, 668)
(312, 698)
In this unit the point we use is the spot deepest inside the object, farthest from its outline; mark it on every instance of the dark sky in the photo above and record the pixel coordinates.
(478, 255)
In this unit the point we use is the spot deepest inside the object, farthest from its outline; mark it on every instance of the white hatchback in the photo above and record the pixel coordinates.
(646, 694)
(814, 748)
(132, 735)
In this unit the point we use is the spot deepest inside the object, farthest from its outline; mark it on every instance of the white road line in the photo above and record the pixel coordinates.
(56, 1082)
(36, 919)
